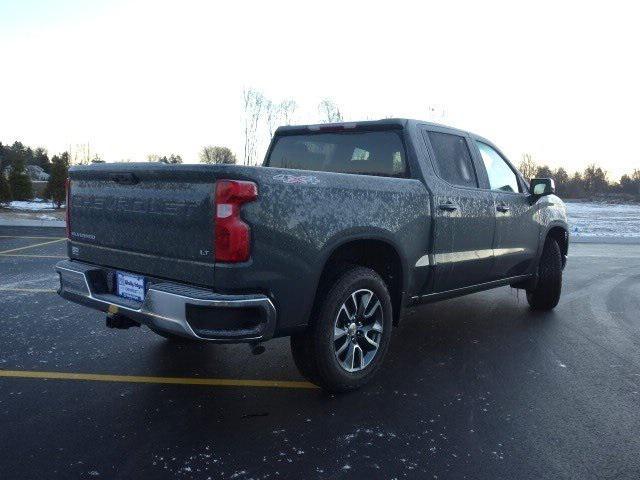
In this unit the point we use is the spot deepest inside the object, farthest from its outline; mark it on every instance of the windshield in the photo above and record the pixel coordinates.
(365, 153)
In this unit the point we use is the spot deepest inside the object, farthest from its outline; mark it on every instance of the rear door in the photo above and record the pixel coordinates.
(517, 231)
(464, 218)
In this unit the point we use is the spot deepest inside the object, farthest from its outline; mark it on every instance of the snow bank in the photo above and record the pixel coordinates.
(32, 206)
(588, 219)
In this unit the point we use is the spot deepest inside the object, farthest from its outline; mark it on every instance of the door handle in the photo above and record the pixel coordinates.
(502, 208)
(448, 207)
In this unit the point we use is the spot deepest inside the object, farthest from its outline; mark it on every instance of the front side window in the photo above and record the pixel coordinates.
(367, 153)
(453, 159)
(501, 176)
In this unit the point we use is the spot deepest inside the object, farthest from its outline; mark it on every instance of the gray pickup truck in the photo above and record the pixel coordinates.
(341, 228)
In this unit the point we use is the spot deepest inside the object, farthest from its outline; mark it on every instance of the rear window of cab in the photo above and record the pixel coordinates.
(379, 153)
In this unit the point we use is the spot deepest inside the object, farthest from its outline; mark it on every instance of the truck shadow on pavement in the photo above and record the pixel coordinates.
(472, 337)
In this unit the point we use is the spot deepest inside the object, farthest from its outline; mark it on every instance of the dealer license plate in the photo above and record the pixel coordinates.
(130, 286)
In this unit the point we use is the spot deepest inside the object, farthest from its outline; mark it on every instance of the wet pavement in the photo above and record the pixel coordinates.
(475, 387)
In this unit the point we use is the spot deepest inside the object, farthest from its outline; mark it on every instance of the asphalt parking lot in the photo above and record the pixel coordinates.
(476, 387)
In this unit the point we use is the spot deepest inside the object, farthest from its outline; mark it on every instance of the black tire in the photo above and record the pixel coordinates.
(314, 350)
(300, 350)
(546, 295)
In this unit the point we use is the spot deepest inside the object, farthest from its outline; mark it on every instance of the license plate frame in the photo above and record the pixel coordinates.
(130, 286)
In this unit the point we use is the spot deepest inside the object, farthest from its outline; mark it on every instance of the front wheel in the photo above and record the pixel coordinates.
(546, 295)
(349, 334)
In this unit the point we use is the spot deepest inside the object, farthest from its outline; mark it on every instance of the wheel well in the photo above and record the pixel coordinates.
(561, 236)
(377, 255)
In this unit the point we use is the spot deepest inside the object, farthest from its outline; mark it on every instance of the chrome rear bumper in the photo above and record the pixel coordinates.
(172, 307)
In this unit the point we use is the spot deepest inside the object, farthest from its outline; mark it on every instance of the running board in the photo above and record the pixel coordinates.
(457, 292)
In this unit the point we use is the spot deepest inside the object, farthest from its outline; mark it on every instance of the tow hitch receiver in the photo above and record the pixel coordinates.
(115, 320)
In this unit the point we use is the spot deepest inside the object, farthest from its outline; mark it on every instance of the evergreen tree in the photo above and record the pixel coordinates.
(544, 172)
(595, 180)
(5, 190)
(562, 181)
(29, 156)
(19, 181)
(575, 186)
(55, 190)
(16, 153)
(631, 183)
(66, 158)
(41, 159)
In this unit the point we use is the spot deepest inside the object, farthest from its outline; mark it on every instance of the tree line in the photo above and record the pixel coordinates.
(15, 181)
(261, 117)
(16, 184)
(591, 183)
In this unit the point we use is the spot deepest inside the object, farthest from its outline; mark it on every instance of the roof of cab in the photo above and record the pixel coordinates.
(383, 124)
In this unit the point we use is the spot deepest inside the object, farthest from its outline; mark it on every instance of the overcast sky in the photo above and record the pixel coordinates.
(558, 80)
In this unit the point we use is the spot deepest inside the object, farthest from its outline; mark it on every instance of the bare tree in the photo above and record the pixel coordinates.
(329, 111)
(80, 154)
(277, 114)
(254, 106)
(271, 116)
(528, 167)
(287, 110)
(216, 155)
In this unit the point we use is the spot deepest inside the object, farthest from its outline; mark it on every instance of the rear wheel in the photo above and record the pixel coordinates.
(349, 334)
(546, 294)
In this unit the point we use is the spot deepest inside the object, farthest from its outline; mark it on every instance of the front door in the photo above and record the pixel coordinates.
(464, 217)
(517, 231)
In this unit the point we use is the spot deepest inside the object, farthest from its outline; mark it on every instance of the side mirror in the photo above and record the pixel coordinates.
(542, 186)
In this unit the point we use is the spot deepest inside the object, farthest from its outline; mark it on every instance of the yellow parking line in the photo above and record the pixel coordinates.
(31, 256)
(32, 246)
(29, 290)
(22, 236)
(213, 382)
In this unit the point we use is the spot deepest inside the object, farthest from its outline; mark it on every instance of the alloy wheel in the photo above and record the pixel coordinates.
(358, 330)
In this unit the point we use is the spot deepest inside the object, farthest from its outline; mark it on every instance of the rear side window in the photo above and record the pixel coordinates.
(365, 153)
(501, 177)
(453, 159)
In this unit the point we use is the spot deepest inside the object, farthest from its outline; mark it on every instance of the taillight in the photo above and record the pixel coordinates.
(232, 235)
(67, 185)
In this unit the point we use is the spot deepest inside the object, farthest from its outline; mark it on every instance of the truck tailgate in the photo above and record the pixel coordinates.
(161, 211)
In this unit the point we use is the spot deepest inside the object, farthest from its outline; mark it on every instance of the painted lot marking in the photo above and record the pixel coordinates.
(211, 382)
(29, 290)
(11, 250)
(32, 256)
(36, 237)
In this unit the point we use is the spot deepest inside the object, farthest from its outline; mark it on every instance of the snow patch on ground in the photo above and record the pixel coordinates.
(36, 204)
(590, 219)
